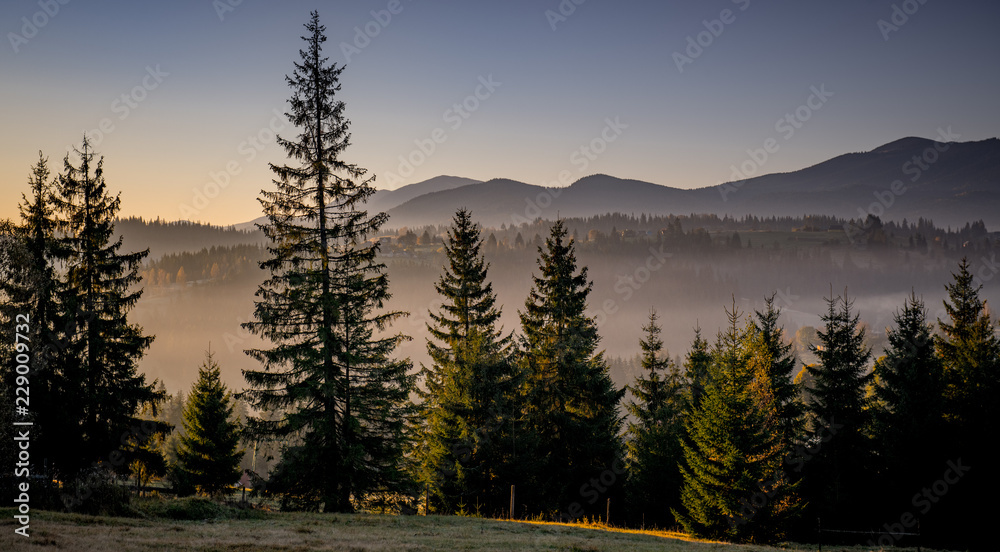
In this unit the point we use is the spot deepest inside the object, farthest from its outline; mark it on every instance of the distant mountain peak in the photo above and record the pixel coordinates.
(599, 178)
(904, 144)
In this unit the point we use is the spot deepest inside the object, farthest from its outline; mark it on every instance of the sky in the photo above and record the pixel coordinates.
(183, 98)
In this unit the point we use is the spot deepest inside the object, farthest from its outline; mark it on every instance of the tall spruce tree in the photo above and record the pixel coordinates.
(969, 349)
(697, 367)
(97, 385)
(29, 288)
(572, 404)
(734, 486)
(909, 423)
(471, 405)
(653, 438)
(208, 453)
(344, 399)
(776, 366)
(470, 302)
(838, 477)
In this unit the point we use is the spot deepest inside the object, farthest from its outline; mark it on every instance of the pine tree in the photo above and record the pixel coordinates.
(29, 288)
(98, 387)
(734, 485)
(38, 226)
(572, 404)
(909, 424)
(697, 367)
(838, 477)
(471, 404)
(344, 399)
(969, 350)
(777, 368)
(470, 300)
(209, 453)
(653, 438)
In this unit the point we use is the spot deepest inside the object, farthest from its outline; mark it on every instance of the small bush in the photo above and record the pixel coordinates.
(97, 493)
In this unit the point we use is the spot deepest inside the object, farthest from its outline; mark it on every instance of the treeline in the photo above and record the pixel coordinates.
(704, 233)
(163, 237)
(211, 265)
(226, 264)
(728, 446)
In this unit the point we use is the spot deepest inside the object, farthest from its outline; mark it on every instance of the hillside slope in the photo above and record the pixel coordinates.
(951, 183)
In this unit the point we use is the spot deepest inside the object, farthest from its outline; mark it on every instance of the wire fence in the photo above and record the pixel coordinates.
(894, 536)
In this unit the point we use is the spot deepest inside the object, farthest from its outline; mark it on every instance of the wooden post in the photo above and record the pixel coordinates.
(511, 502)
(427, 498)
(607, 513)
(919, 538)
(819, 532)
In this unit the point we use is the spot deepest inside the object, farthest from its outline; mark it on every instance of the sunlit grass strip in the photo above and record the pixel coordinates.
(599, 526)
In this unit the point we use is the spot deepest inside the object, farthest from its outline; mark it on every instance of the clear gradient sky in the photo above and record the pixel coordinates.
(202, 80)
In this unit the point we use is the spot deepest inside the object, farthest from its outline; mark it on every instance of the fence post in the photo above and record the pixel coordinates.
(919, 536)
(512, 502)
(607, 514)
(819, 533)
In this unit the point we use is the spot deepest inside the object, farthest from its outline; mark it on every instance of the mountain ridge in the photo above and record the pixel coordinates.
(949, 182)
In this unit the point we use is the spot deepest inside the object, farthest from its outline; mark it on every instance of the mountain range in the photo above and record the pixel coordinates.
(950, 183)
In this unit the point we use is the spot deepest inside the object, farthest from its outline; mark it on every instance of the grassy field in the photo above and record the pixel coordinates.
(232, 531)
